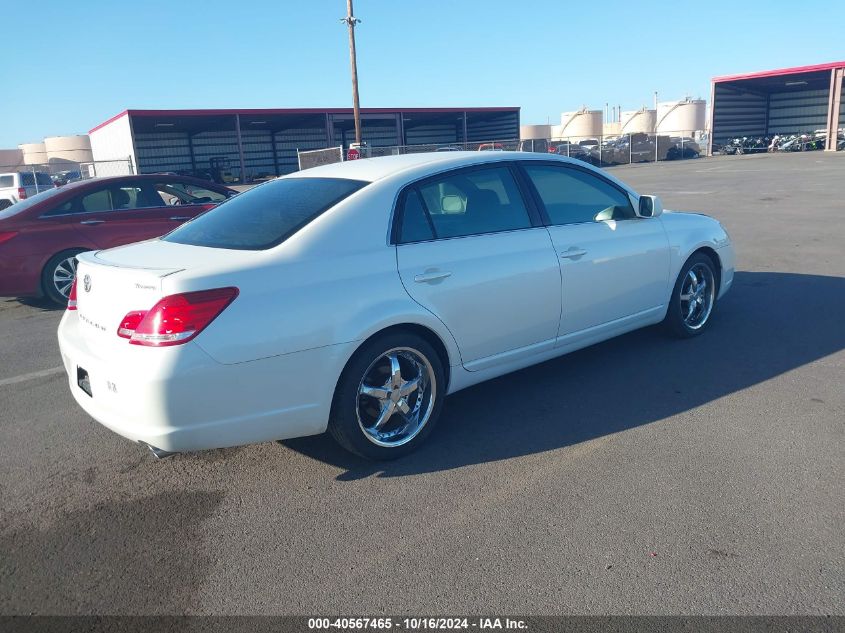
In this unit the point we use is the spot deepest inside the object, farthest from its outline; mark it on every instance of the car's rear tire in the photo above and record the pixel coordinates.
(5, 204)
(693, 297)
(389, 397)
(58, 275)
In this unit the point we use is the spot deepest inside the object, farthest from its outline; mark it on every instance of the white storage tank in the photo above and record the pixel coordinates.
(640, 121)
(681, 118)
(33, 153)
(76, 149)
(529, 132)
(580, 125)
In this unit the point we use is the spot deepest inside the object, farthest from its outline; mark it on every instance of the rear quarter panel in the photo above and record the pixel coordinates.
(334, 282)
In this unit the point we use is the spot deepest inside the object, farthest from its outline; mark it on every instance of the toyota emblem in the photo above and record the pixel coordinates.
(86, 283)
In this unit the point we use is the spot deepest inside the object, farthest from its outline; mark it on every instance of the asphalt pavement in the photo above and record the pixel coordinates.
(644, 475)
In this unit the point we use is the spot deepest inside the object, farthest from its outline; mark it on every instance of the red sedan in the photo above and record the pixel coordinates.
(41, 236)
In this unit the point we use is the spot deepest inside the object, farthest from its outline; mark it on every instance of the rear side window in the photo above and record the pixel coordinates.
(266, 215)
(464, 203)
(7, 181)
(176, 193)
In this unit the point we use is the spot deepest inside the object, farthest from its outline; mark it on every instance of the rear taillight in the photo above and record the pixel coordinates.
(21, 193)
(5, 236)
(176, 319)
(71, 298)
(130, 323)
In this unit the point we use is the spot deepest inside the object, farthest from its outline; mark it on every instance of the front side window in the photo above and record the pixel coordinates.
(176, 193)
(266, 215)
(573, 196)
(465, 203)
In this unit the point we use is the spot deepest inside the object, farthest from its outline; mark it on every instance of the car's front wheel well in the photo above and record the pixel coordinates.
(717, 263)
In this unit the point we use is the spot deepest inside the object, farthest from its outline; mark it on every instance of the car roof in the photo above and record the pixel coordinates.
(137, 177)
(413, 166)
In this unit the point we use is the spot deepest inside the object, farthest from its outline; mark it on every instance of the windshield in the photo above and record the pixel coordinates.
(266, 215)
(25, 204)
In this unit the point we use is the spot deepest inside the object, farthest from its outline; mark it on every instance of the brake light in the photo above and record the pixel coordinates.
(130, 323)
(176, 319)
(5, 236)
(71, 298)
(21, 193)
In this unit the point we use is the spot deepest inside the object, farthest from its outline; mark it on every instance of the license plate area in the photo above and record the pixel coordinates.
(83, 381)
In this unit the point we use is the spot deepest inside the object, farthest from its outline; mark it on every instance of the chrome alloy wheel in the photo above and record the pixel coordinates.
(396, 397)
(63, 275)
(698, 292)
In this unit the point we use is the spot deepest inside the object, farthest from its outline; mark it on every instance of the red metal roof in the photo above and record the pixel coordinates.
(265, 111)
(782, 71)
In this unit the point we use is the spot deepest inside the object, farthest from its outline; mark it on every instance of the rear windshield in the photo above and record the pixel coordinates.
(265, 216)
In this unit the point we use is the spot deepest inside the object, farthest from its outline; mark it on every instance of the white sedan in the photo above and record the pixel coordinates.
(354, 297)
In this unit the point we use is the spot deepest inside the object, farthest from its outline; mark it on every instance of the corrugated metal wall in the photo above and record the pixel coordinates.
(163, 151)
(268, 153)
(501, 128)
(794, 112)
(737, 113)
(288, 141)
(433, 133)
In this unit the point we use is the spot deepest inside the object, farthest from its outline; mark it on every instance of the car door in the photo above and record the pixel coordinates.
(116, 213)
(470, 250)
(614, 265)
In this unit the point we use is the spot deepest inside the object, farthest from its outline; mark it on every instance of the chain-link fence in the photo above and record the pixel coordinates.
(36, 178)
(317, 157)
(601, 150)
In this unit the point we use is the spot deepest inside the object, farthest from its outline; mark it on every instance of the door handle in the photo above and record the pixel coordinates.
(91, 222)
(430, 277)
(180, 218)
(573, 253)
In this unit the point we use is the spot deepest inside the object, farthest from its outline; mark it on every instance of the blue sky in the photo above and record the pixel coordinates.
(79, 63)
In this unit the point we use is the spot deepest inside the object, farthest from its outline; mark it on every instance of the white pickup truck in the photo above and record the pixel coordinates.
(17, 186)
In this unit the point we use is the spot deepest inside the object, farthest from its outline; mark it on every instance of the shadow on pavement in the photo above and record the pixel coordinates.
(118, 555)
(768, 324)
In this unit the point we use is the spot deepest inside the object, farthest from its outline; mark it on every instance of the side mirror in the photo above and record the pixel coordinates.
(650, 207)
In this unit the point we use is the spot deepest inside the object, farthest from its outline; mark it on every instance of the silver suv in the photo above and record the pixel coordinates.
(17, 186)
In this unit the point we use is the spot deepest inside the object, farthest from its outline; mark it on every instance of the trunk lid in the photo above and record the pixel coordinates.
(114, 282)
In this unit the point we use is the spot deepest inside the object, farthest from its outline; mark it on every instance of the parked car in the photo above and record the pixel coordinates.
(17, 186)
(41, 235)
(491, 147)
(355, 296)
(62, 178)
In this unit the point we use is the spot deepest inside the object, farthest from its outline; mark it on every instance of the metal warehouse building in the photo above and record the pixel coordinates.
(786, 101)
(254, 144)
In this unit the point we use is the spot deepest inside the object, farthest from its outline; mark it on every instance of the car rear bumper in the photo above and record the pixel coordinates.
(180, 399)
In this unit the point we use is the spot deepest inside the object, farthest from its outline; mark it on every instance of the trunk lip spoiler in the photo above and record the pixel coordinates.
(91, 257)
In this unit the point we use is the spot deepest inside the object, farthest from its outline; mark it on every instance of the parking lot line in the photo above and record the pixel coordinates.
(31, 376)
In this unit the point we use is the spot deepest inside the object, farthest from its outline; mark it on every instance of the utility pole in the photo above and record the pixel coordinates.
(351, 21)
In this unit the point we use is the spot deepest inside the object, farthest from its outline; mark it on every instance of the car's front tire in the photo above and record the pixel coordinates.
(693, 297)
(389, 396)
(58, 275)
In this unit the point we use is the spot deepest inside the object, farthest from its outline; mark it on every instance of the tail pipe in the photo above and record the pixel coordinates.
(158, 453)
